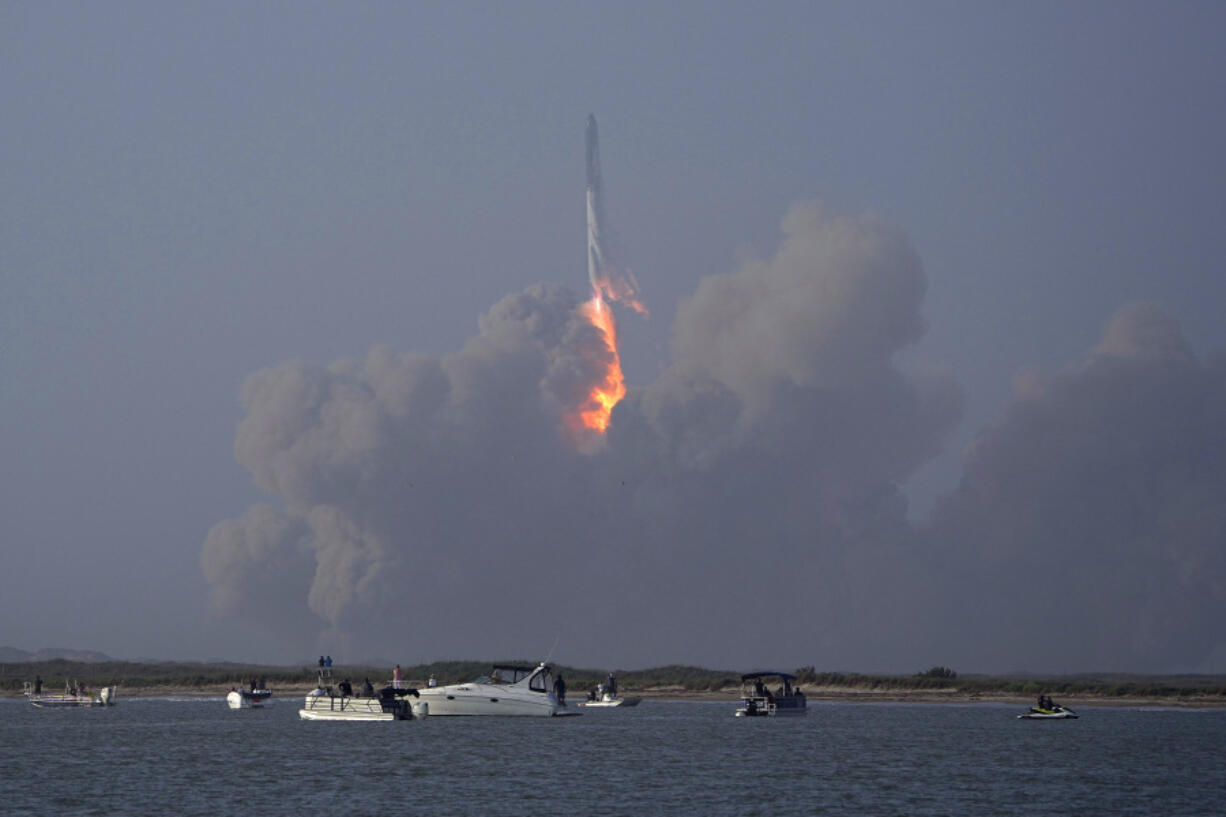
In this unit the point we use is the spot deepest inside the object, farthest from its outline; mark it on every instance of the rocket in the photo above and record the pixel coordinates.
(595, 207)
(609, 281)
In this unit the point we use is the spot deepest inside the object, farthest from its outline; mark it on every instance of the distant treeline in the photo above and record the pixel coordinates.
(205, 677)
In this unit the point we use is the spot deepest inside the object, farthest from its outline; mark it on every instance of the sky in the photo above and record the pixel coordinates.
(933, 371)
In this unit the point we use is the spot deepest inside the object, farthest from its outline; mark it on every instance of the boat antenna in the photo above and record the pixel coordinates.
(551, 649)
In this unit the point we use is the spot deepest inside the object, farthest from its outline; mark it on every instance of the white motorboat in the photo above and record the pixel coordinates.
(248, 698)
(507, 690)
(605, 699)
(73, 696)
(605, 695)
(758, 700)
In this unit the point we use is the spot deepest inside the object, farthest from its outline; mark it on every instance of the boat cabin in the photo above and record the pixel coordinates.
(539, 678)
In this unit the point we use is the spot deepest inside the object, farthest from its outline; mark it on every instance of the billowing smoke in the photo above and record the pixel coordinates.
(744, 509)
(1090, 527)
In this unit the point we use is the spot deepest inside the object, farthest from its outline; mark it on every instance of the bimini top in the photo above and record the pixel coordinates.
(768, 673)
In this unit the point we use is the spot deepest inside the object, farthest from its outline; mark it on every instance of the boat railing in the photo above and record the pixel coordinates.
(760, 703)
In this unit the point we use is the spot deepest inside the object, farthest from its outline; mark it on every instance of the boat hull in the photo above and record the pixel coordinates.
(106, 697)
(608, 701)
(242, 699)
(1047, 715)
(335, 708)
(761, 708)
(491, 700)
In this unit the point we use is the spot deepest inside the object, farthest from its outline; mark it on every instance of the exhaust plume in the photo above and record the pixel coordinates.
(609, 283)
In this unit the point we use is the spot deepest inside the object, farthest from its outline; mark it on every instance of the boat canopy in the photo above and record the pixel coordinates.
(787, 676)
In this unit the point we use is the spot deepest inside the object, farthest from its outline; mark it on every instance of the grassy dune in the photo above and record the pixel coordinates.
(212, 678)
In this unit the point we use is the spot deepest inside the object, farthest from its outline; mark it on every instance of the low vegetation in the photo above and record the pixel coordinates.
(204, 677)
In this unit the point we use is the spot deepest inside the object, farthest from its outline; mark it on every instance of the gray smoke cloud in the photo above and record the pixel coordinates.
(745, 508)
(1089, 531)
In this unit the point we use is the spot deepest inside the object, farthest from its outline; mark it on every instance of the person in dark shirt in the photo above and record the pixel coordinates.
(559, 689)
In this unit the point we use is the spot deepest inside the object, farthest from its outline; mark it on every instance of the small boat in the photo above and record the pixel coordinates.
(329, 703)
(605, 695)
(757, 699)
(248, 698)
(73, 696)
(1053, 712)
(606, 699)
(507, 690)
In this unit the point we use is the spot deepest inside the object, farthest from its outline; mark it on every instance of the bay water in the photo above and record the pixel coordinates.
(195, 756)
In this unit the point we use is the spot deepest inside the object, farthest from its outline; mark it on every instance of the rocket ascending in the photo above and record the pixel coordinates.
(595, 207)
(589, 418)
(607, 281)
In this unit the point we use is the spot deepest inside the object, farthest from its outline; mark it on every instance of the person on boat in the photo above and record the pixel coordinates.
(396, 677)
(346, 688)
(432, 683)
(321, 662)
(328, 662)
(368, 689)
(759, 688)
(611, 686)
(559, 689)
(591, 694)
(495, 677)
(38, 685)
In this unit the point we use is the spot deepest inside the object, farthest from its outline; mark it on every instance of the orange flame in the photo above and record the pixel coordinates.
(622, 288)
(593, 415)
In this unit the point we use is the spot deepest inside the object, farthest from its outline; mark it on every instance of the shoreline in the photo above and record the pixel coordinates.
(814, 695)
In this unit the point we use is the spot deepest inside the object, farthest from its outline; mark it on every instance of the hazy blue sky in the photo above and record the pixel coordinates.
(933, 367)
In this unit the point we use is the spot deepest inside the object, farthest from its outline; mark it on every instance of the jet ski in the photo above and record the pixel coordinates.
(1054, 712)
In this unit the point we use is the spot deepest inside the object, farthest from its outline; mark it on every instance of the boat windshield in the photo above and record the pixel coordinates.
(541, 682)
(506, 675)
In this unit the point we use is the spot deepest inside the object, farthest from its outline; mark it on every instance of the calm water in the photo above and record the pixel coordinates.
(196, 756)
